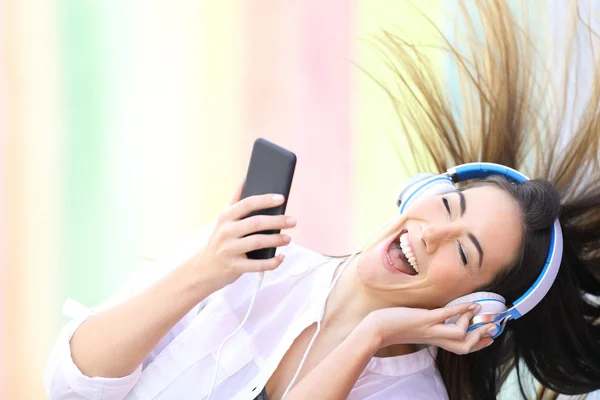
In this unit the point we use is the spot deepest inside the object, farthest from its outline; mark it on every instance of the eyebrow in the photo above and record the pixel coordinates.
(477, 246)
(463, 209)
(463, 202)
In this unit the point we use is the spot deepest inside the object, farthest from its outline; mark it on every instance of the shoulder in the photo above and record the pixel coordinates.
(296, 250)
(298, 260)
(409, 376)
(425, 384)
(428, 384)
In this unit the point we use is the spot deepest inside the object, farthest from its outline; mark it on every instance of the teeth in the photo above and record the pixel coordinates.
(408, 252)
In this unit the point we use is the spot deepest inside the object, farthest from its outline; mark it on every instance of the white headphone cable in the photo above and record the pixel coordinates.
(360, 248)
(212, 386)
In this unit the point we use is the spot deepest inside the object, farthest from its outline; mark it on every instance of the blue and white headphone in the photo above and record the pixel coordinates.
(493, 306)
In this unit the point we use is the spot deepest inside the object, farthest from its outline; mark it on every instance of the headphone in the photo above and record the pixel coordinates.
(493, 306)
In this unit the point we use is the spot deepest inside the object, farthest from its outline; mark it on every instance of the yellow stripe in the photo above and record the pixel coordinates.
(378, 170)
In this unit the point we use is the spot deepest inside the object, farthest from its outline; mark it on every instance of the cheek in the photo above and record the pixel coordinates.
(448, 280)
(422, 209)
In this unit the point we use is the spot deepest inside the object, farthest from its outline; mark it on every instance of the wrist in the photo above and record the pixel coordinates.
(193, 285)
(369, 333)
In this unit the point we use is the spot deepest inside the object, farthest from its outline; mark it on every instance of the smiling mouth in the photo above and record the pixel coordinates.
(397, 258)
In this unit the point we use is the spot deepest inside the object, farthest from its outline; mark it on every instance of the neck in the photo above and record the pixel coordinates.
(349, 303)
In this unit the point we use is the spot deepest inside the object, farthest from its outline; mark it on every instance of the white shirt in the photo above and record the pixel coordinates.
(182, 365)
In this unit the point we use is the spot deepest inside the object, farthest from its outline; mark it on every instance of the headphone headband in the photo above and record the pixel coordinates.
(478, 170)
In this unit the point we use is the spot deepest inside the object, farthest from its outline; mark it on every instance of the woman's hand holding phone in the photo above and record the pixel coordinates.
(223, 260)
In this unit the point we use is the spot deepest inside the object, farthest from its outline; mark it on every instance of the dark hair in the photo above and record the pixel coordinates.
(509, 116)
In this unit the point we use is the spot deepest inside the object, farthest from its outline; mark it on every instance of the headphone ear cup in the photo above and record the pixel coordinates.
(491, 303)
(409, 186)
(421, 186)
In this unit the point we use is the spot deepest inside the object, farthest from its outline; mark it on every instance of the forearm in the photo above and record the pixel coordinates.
(335, 376)
(114, 342)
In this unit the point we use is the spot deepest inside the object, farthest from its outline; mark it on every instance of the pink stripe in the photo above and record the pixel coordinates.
(4, 259)
(297, 94)
(7, 257)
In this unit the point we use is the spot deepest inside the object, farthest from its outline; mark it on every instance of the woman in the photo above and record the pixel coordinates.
(382, 333)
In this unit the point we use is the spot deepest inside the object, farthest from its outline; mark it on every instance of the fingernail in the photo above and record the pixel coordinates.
(488, 344)
(287, 239)
(291, 221)
(492, 330)
(475, 307)
(277, 197)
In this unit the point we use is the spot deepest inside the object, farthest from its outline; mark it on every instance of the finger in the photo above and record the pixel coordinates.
(244, 207)
(465, 318)
(447, 331)
(473, 341)
(238, 192)
(480, 337)
(482, 344)
(259, 223)
(442, 314)
(260, 265)
(256, 242)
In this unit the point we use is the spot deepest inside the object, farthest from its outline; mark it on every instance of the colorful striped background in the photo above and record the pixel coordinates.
(125, 125)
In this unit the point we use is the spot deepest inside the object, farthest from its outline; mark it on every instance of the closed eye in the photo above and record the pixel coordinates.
(463, 256)
(461, 251)
(446, 204)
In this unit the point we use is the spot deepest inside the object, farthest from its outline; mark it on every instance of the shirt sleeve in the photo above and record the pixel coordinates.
(64, 381)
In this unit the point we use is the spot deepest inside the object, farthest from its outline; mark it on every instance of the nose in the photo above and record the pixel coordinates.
(433, 235)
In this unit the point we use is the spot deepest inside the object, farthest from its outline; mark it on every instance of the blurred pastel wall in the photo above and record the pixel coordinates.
(125, 125)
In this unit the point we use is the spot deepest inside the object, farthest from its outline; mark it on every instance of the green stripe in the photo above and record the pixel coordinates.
(86, 195)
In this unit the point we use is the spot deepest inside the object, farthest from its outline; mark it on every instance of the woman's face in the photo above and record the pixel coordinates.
(457, 242)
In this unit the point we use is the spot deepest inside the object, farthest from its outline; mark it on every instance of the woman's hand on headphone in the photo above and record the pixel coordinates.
(402, 325)
(223, 260)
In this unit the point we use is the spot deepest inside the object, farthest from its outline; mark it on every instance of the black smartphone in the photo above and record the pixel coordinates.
(271, 170)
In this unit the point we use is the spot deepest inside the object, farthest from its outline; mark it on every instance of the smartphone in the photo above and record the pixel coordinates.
(271, 170)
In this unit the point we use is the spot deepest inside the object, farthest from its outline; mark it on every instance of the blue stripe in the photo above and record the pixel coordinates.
(499, 301)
